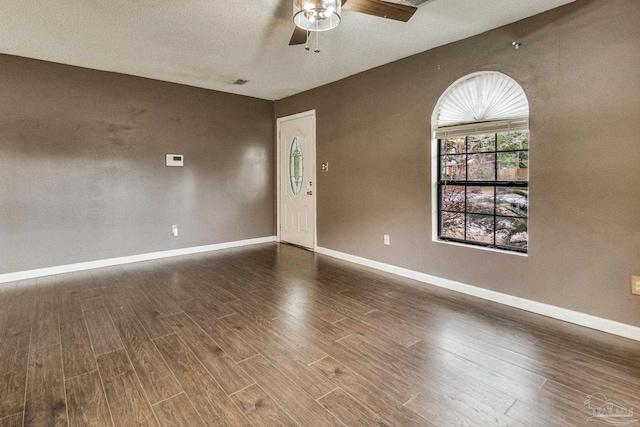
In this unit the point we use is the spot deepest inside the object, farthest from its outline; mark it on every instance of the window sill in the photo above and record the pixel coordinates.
(483, 248)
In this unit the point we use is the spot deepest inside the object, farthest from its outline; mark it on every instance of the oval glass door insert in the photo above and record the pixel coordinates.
(296, 166)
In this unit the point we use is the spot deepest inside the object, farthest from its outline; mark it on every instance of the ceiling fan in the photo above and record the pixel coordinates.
(322, 15)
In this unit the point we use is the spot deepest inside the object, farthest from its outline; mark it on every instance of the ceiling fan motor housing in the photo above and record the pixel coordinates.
(317, 15)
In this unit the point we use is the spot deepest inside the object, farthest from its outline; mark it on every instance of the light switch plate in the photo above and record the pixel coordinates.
(175, 160)
(635, 285)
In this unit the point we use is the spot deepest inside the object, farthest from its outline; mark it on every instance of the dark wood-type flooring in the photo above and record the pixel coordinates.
(275, 335)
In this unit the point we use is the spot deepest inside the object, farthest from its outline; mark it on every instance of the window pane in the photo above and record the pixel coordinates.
(453, 198)
(513, 166)
(488, 214)
(512, 232)
(480, 228)
(507, 166)
(522, 174)
(296, 166)
(453, 146)
(481, 143)
(513, 140)
(453, 168)
(452, 225)
(480, 200)
(481, 167)
(512, 201)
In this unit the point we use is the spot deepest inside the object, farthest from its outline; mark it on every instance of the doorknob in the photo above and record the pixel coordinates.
(309, 193)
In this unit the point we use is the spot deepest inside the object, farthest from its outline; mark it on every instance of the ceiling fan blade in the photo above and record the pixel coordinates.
(398, 12)
(299, 36)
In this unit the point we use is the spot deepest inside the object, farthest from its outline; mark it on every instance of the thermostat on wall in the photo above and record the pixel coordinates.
(175, 160)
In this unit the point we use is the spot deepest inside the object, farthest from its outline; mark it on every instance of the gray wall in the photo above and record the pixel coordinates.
(82, 173)
(580, 67)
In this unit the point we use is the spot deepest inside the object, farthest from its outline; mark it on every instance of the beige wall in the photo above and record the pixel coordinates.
(82, 173)
(580, 67)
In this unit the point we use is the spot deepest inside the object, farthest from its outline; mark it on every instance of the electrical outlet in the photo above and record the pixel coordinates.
(324, 167)
(386, 240)
(635, 285)
(174, 230)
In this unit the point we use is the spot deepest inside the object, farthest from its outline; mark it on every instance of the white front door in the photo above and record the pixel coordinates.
(297, 179)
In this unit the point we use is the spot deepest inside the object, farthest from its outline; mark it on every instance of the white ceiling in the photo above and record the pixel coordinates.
(211, 43)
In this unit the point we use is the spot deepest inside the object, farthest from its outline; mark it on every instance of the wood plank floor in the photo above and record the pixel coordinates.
(275, 335)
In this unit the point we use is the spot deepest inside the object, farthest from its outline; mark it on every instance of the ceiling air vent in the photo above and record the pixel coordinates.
(415, 3)
(240, 82)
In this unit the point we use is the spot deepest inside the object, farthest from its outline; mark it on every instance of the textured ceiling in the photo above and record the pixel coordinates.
(211, 43)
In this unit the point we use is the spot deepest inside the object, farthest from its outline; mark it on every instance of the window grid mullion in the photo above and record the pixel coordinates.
(466, 178)
(489, 152)
(522, 184)
(498, 215)
(465, 212)
(439, 189)
(495, 188)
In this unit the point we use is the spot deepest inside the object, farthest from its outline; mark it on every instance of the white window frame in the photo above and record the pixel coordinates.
(466, 129)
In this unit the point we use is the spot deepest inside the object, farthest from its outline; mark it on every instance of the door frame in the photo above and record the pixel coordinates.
(280, 120)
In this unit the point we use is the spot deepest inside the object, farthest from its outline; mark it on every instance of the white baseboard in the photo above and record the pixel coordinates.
(575, 317)
(22, 275)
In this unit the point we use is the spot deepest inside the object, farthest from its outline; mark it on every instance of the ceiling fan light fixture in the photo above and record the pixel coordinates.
(317, 15)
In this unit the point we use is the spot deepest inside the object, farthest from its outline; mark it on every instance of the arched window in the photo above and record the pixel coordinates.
(481, 147)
